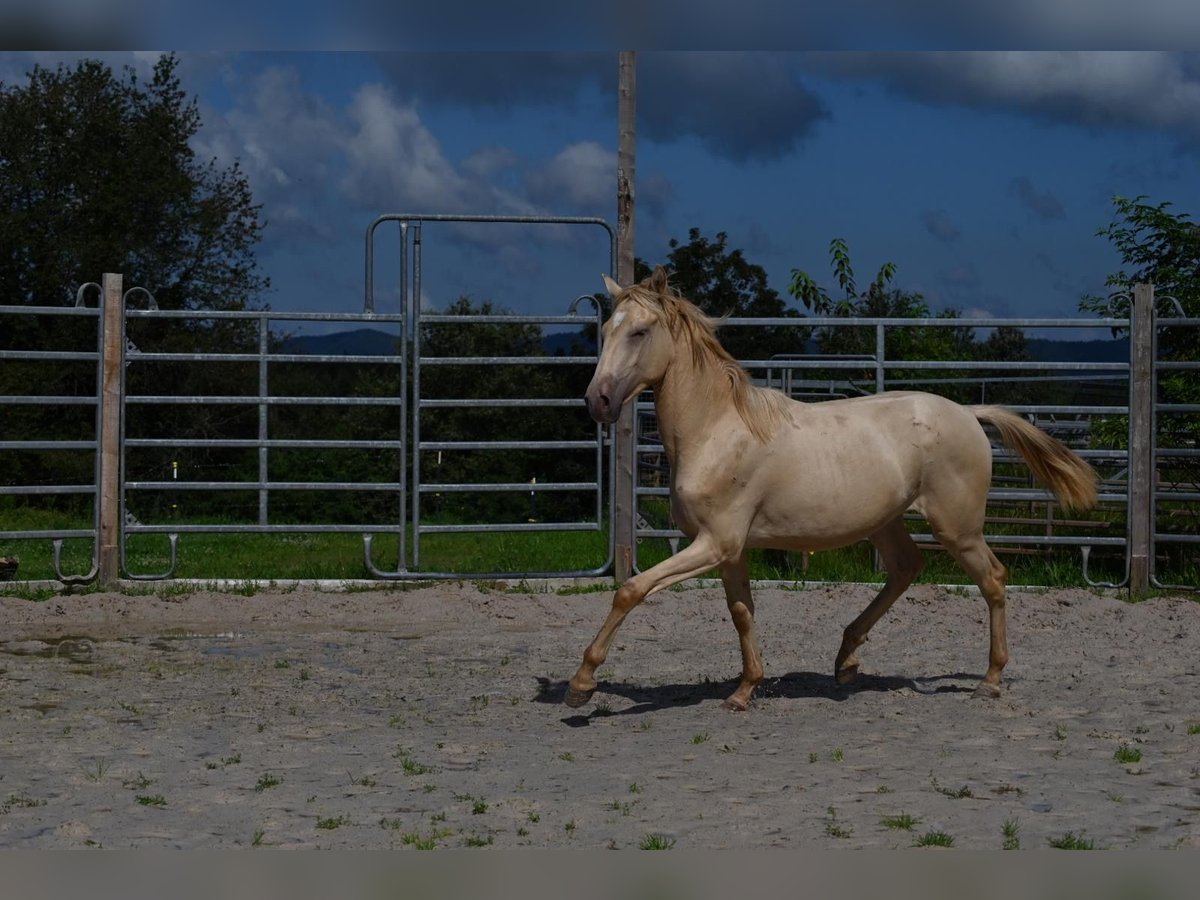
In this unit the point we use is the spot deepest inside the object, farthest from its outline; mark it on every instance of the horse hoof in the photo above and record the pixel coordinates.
(847, 674)
(987, 691)
(576, 699)
(735, 705)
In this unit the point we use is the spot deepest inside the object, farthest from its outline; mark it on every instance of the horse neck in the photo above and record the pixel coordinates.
(688, 400)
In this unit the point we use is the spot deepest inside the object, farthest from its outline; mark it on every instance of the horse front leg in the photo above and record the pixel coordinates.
(695, 559)
(736, 578)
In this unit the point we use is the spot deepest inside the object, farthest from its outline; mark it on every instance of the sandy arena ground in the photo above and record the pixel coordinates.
(433, 717)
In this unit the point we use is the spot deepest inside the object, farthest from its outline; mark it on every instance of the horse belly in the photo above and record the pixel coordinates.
(831, 499)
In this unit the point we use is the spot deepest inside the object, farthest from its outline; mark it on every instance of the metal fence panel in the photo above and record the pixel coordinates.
(93, 321)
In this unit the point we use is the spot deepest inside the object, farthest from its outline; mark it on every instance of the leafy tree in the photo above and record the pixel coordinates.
(97, 174)
(1161, 248)
(879, 300)
(1157, 247)
(722, 282)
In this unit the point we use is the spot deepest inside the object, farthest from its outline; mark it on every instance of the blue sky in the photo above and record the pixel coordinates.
(983, 175)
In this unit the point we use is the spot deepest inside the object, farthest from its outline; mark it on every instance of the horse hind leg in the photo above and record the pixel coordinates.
(903, 562)
(980, 563)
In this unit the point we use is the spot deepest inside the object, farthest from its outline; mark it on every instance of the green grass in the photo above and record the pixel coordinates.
(1012, 836)
(1072, 841)
(1126, 754)
(935, 839)
(902, 822)
(267, 781)
(657, 842)
(152, 800)
(340, 556)
(834, 828)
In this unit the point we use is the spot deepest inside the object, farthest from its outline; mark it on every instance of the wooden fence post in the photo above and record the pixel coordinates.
(624, 510)
(112, 317)
(1141, 424)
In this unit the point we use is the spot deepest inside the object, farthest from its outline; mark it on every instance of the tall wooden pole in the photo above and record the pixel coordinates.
(1141, 426)
(623, 431)
(113, 315)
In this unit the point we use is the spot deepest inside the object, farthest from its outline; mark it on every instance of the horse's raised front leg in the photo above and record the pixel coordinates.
(695, 559)
(736, 578)
(903, 562)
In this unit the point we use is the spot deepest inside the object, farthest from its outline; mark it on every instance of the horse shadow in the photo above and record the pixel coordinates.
(792, 686)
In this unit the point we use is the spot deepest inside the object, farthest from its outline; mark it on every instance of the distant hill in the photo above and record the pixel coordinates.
(372, 342)
(359, 342)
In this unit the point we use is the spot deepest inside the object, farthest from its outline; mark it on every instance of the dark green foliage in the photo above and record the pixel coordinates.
(722, 282)
(1161, 248)
(487, 422)
(97, 175)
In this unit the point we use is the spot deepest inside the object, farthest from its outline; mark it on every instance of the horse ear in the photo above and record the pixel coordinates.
(657, 281)
(612, 287)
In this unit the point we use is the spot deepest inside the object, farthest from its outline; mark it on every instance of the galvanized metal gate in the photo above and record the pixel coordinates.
(92, 320)
(136, 366)
(146, 471)
(1174, 432)
(582, 311)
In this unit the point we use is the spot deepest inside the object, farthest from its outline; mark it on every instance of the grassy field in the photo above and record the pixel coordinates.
(340, 556)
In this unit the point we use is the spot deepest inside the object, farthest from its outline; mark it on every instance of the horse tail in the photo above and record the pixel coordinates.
(1069, 478)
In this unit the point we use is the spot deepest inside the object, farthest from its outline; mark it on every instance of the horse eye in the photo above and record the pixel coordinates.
(641, 332)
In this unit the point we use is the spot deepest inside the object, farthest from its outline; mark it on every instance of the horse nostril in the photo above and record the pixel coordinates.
(598, 404)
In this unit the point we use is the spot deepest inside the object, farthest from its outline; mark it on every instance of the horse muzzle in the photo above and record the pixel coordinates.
(600, 401)
(601, 408)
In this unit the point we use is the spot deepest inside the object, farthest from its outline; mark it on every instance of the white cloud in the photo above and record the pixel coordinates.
(583, 175)
(488, 161)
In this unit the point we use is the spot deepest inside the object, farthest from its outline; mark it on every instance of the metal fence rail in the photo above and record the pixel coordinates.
(597, 486)
(92, 315)
(258, 397)
(1150, 490)
(1176, 469)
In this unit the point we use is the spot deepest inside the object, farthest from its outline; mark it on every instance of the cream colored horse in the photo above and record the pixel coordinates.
(753, 468)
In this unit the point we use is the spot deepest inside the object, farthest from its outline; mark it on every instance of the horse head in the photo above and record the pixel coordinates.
(637, 346)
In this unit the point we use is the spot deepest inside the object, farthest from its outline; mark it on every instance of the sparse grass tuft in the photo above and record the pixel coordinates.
(935, 839)
(699, 738)
(265, 781)
(1126, 754)
(411, 766)
(833, 828)
(157, 800)
(1072, 841)
(1012, 838)
(902, 822)
(657, 842)
(331, 823)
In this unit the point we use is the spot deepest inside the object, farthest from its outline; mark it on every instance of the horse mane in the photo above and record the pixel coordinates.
(760, 409)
